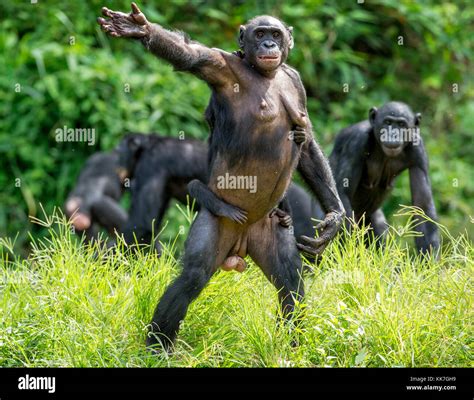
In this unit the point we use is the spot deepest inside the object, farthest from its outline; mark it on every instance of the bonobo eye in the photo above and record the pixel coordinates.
(387, 121)
(402, 124)
(259, 34)
(276, 35)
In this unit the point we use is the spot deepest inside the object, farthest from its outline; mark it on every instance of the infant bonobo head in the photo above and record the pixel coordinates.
(395, 126)
(266, 42)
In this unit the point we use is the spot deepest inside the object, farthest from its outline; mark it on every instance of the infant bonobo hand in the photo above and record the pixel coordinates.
(133, 25)
(284, 219)
(234, 213)
(326, 230)
(298, 135)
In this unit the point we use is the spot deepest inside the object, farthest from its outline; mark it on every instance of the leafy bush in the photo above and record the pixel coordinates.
(59, 70)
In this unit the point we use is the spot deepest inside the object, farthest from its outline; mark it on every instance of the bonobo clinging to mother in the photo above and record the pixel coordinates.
(256, 101)
(368, 156)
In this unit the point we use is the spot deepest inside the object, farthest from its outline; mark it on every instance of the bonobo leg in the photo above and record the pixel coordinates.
(380, 227)
(273, 248)
(205, 249)
(91, 233)
(206, 198)
(109, 214)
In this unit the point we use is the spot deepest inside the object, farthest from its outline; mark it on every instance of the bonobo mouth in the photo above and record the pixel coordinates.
(269, 58)
(392, 151)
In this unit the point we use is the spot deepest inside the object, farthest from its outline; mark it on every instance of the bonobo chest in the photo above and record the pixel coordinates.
(268, 102)
(254, 141)
(380, 173)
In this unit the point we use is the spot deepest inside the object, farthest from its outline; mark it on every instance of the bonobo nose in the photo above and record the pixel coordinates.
(269, 44)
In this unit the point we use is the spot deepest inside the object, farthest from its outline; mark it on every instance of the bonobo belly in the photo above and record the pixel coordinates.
(257, 183)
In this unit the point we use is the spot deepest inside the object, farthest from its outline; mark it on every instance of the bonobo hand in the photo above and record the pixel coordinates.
(133, 25)
(284, 219)
(234, 213)
(326, 232)
(298, 135)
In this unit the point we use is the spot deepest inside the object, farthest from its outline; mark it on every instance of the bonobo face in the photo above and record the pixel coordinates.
(129, 150)
(395, 126)
(265, 42)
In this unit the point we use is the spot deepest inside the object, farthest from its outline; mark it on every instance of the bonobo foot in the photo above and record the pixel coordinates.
(234, 213)
(298, 135)
(327, 229)
(284, 219)
(119, 24)
(208, 199)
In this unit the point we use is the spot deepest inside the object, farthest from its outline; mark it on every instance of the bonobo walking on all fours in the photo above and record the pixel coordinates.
(95, 200)
(368, 156)
(250, 129)
(160, 169)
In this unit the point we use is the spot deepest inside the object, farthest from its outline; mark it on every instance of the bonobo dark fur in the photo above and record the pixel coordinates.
(256, 101)
(368, 156)
(94, 201)
(160, 169)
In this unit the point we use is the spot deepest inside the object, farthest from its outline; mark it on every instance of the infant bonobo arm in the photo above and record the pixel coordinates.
(206, 198)
(315, 170)
(185, 55)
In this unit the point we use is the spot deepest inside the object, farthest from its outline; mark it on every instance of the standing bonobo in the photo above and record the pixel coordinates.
(369, 155)
(94, 201)
(256, 101)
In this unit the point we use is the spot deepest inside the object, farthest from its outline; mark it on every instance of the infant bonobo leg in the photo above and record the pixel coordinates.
(206, 198)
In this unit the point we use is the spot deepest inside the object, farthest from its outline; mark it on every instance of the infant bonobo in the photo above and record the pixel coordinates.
(366, 159)
(95, 200)
(256, 101)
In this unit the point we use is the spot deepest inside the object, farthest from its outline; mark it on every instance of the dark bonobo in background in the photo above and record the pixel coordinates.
(256, 101)
(161, 168)
(94, 201)
(368, 156)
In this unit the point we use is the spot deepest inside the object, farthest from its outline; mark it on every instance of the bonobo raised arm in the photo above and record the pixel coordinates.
(174, 47)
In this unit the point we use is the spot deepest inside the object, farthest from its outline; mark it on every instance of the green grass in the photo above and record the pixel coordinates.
(64, 307)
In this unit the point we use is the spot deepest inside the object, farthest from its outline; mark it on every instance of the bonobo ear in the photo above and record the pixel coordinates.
(291, 42)
(372, 114)
(417, 119)
(241, 36)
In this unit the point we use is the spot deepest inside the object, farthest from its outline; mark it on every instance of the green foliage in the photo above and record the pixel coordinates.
(66, 307)
(70, 74)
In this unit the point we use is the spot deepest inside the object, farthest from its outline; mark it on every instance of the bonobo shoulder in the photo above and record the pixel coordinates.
(355, 136)
(293, 74)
